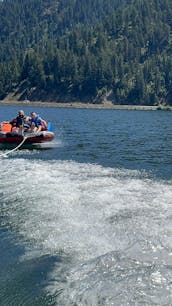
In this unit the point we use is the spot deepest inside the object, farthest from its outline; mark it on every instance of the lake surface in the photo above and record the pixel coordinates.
(87, 220)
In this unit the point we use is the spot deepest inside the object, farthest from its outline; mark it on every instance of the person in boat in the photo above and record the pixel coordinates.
(37, 123)
(21, 123)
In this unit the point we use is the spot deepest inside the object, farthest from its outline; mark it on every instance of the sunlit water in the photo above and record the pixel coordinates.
(87, 221)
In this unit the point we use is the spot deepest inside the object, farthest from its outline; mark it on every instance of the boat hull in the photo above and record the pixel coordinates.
(32, 138)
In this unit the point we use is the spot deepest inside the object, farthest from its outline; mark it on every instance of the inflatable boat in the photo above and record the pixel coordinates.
(7, 136)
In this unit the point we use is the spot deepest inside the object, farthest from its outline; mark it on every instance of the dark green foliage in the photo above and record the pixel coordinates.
(83, 47)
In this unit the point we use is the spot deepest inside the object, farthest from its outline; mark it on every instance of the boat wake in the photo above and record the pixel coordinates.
(109, 228)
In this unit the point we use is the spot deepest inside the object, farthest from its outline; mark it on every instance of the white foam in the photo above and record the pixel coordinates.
(84, 209)
(157, 278)
(101, 218)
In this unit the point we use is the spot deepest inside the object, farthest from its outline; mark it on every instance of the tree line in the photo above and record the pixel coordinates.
(85, 49)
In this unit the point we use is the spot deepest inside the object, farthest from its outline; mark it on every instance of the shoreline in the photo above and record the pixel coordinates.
(78, 105)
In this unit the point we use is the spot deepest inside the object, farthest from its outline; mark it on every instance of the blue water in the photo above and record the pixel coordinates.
(86, 220)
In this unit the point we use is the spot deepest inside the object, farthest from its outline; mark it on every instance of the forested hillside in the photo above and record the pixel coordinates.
(83, 49)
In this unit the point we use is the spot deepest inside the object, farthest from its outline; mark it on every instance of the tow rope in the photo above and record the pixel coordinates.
(16, 148)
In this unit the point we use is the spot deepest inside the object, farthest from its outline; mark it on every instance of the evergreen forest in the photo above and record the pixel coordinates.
(85, 49)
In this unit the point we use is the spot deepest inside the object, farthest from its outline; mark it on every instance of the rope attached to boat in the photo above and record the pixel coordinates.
(16, 148)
